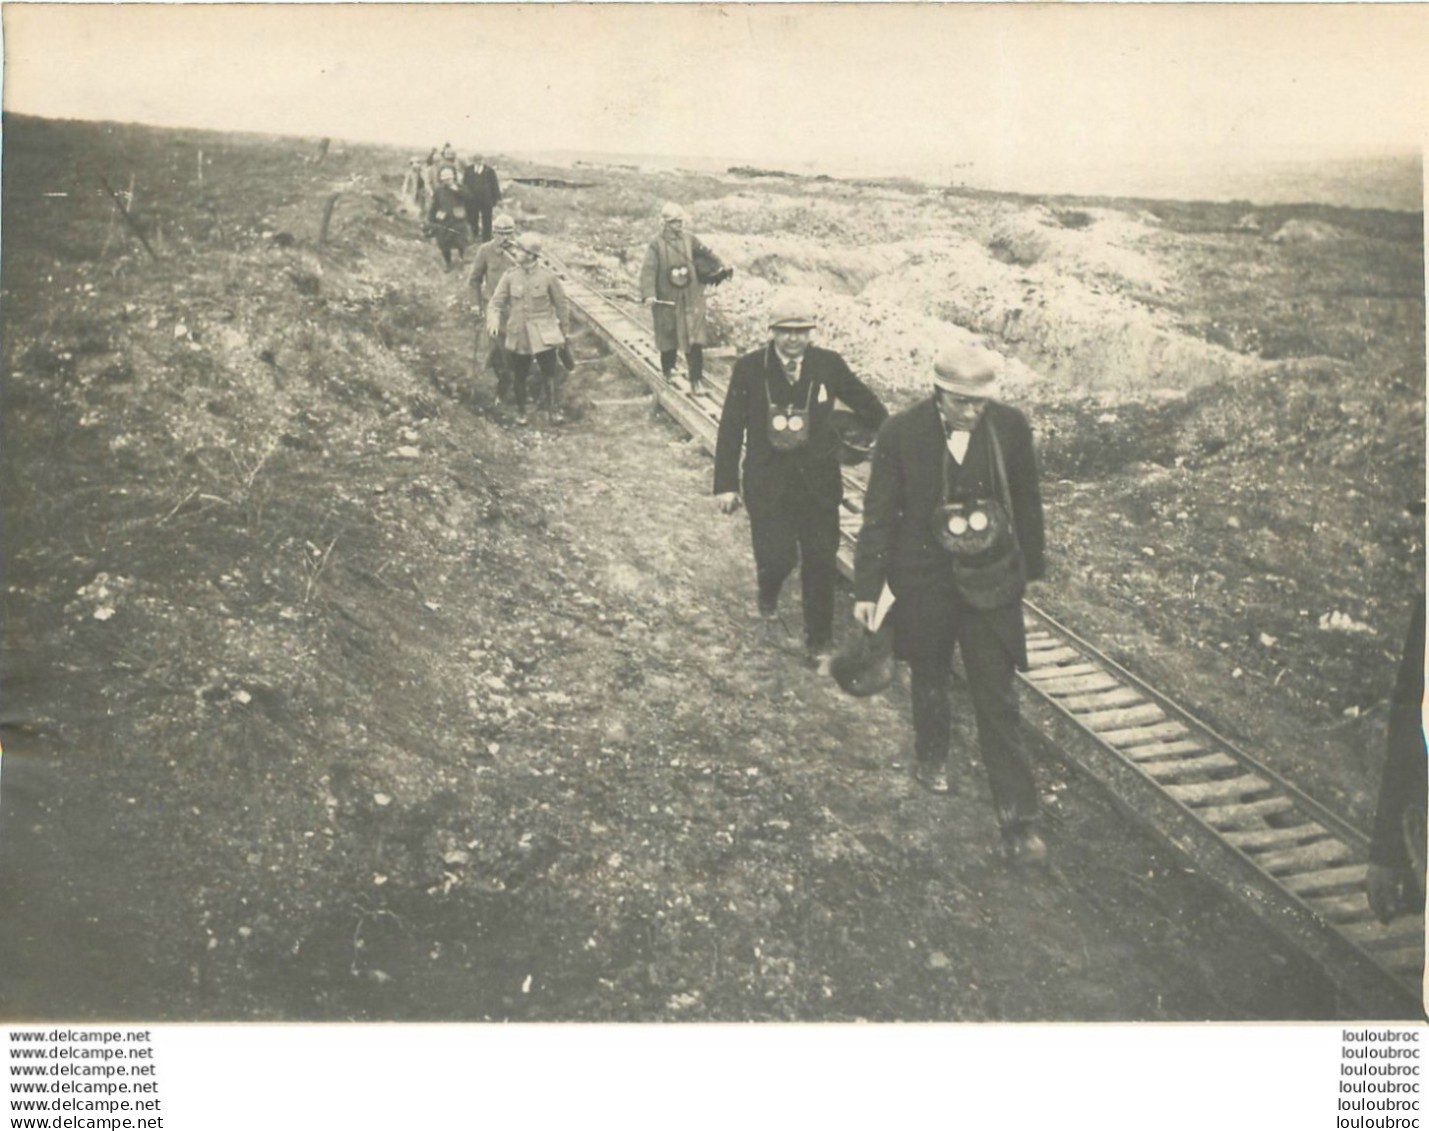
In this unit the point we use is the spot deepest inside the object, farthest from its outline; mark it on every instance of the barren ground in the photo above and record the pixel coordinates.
(330, 694)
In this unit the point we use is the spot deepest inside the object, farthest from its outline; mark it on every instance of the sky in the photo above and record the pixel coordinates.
(854, 87)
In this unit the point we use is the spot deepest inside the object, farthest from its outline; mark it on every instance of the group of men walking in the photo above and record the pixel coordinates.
(456, 198)
(524, 318)
(956, 467)
(951, 535)
(952, 523)
(957, 460)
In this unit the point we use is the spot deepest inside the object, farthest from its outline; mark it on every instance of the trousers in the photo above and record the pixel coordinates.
(695, 356)
(479, 218)
(809, 536)
(520, 364)
(989, 667)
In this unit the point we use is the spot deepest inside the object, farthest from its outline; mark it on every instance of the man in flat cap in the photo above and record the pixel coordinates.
(953, 523)
(673, 276)
(776, 411)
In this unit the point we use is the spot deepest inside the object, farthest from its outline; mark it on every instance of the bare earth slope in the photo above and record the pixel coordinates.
(329, 695)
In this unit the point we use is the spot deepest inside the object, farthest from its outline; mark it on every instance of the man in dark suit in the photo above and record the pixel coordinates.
(1395, 879)
(777, 411)
(959, 444)
(483, 193)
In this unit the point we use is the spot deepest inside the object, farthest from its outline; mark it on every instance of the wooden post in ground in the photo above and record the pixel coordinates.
(124, 212)
(327, 216)
(200, 167)
(109, 232)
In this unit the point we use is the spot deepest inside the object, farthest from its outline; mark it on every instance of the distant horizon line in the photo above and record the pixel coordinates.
(1284, 156)
(1226, 177)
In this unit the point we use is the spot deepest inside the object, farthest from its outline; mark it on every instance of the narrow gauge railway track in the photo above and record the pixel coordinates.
(1295, 863)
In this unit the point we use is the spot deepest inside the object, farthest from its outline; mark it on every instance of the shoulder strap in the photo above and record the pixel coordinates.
(1001, 468)
(764, 373)
(769, 363)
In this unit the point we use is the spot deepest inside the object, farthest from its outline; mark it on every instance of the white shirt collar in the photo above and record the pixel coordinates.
(958, 444)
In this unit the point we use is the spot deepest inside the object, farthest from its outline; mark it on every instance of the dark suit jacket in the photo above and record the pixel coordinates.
(1403, 786)
(809, 475)
(905, 487)
(482, 189)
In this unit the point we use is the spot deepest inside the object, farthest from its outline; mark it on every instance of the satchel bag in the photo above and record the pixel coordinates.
(864, 665)
(980, 537)
(544, 333)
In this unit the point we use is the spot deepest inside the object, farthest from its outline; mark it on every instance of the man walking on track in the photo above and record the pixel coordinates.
(493, 258)
(777, 411)
(953, 523)
(673, 277)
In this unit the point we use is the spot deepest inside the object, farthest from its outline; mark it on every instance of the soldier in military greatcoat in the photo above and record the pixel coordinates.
(673, 278)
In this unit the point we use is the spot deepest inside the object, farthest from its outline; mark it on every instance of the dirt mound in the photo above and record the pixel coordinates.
(1081, 296)
(1306, 231)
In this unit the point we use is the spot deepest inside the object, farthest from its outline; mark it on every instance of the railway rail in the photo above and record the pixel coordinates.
(1295, 863)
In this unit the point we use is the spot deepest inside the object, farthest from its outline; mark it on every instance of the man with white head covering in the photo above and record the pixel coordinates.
(412, 187)
(953, 524)
(446, 216)
(777, 410)
(673, 277)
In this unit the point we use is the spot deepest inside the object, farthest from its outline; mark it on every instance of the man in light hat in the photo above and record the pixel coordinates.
(491, 262)
(673, 277)
(777, 412)
(945, 469)
(529, 309)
